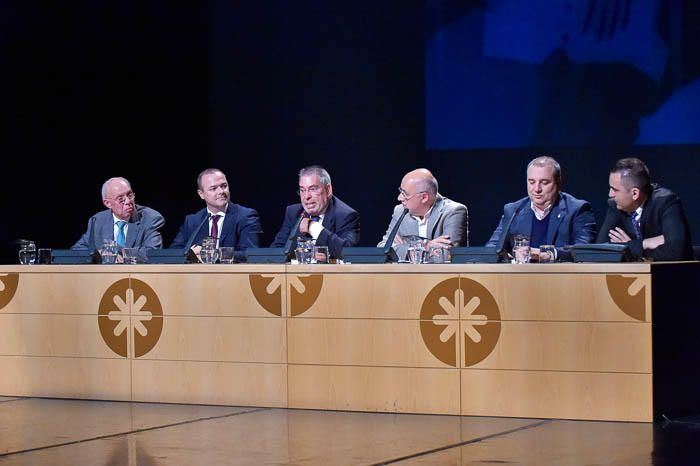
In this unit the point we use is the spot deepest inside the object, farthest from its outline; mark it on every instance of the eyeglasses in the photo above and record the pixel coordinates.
(123, 198)
(407, 196)
(313, 190)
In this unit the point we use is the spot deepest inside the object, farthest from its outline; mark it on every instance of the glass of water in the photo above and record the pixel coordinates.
(305, 251)
(27, 252)
(416, 250)
(109, 251)
(521, 249)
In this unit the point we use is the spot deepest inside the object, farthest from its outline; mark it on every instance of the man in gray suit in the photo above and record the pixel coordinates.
(443, 222)
(129, 224)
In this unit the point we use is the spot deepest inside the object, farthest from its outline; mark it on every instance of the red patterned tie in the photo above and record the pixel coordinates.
(215, 226)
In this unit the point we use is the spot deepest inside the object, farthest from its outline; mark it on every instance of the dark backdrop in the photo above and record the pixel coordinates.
(157, 91)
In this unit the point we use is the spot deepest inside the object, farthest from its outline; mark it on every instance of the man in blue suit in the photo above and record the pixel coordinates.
(129, 224)
(324, 217)
(547, 215)
(228, 223)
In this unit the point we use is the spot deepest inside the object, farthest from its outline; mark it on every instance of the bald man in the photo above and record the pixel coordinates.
(430, 215)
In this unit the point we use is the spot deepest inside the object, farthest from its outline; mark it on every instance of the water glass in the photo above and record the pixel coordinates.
(521, 249)
(109, 251)
(226, 255)
(416, 250)
(320, 255)
(547, 254)
(209, 254)
(130, 255)
(44, 256)
(27, 252)
(438, 255)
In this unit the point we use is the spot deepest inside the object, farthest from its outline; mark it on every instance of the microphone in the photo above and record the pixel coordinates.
(390, 239)
(91, 237)
(188, 245)
(292, 234)
(506, 233)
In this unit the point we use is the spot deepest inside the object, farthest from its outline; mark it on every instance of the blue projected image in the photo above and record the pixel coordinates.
(513, 73)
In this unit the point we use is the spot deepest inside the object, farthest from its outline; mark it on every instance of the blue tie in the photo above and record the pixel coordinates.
(121, 237)
(315, 218)
(635, 224)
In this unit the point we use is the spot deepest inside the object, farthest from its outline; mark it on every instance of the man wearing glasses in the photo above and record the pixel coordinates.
(230, 224)
(129, 224)
(324, 217)
(431, 216)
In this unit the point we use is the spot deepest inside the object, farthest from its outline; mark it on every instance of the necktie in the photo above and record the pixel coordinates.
(121, 237)
(635, 224)
(215, 226)
(315, 218)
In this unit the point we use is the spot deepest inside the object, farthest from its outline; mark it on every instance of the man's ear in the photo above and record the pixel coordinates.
(330, 189)
(106, 203)
(635, 193)
(201, 193)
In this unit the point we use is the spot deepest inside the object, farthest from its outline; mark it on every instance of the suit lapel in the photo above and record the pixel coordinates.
(329, 217)
(104, 230)
(435, 216)
(229, 221)
(134, 228)
(557, 215)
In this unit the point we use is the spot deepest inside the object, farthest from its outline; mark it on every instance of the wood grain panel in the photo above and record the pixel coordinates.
(226, 339)
(571, 346)
(380, 389)
(221, 383)
(102, 379)
(567, 395)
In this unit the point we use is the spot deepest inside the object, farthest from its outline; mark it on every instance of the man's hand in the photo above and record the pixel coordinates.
(398, 240)
(304, 225)
(441, 242)
(653, 242)
(534, 254)
(618, 235)
(196, 249)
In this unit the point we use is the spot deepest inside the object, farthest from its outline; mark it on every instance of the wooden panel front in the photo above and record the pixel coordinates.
(221, 383)
(60, 293)
(546, 394)
(359, 342)
(382, 389)
(361, 295)
(569, 346)
(52, 335)
(88, 378)
(214, 294)
(569, 296)
(231, 339)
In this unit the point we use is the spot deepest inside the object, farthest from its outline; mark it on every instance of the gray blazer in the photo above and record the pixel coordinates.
(142, 230)
(447, 218)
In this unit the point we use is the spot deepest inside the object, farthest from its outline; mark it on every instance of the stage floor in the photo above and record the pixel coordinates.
(36, 431)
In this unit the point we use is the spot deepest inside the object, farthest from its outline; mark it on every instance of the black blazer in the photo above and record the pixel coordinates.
(662, 214)
(341, 227)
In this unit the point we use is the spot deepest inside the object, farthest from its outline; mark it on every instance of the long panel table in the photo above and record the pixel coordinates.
(578, 341)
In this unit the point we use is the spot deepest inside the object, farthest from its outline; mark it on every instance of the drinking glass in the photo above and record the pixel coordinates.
(109, 251)
(320, 255)
(226, 255)
(304, 251)
(27, 252)
(130, 255)
(547, 254)
(209, 254)
(44, 256)
(438, 255)
(416, 250)
(521, 249)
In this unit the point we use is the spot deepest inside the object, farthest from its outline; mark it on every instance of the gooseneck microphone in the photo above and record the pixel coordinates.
(91, 237)
(390, 239)
(288, 245)
(188, 245)
(505, 233)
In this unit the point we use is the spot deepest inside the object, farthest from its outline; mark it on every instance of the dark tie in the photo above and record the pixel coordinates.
(635, 224)
(121, 237)
(315, 218)
(215, 226)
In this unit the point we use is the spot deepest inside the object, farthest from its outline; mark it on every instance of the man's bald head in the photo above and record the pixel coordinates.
(418, 191)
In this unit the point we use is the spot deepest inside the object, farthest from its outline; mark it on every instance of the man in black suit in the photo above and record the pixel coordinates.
(648, 218)
(324, 217)
(230, 224)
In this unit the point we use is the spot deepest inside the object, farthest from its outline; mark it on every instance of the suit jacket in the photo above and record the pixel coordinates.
(240, 230)
(341, 227)
(571, 222)
(142, 231)
(447, 218)
(662, 214)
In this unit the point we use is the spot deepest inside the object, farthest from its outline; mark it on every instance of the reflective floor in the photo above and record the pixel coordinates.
(68, 432)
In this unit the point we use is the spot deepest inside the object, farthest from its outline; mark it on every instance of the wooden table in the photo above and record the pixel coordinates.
(579, 341)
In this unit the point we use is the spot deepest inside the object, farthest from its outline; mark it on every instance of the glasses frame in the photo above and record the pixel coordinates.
(406, 196)
(122, 198)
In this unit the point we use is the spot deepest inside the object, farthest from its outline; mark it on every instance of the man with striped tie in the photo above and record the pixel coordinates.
(647, 217)
(230, 224)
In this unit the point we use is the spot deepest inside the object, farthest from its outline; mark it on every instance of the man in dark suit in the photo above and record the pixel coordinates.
(547, 215)
(324, 217)
(229, 224)
(129, 224)
(648, 218)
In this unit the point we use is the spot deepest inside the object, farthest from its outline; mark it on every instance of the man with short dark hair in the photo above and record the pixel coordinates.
(324, 217)
(648, 218)
(547, 215)
(230, 224)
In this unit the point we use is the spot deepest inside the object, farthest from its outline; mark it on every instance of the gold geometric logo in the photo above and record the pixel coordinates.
(8, 287)
(628, 293)
(440, 321)
(130, 311)
(303, 290)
